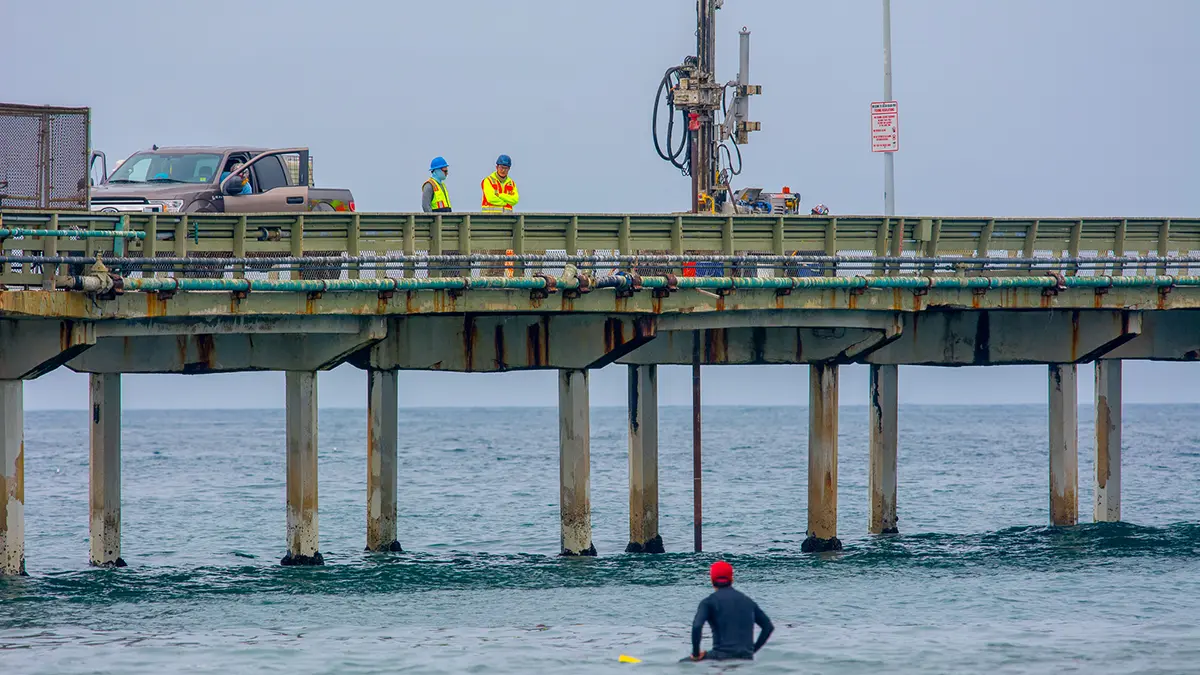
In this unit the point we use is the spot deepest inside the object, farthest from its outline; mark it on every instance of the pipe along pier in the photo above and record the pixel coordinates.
(176, 293)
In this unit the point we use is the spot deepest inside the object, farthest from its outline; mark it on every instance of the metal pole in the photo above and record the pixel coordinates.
(889, 165)
(696, 500)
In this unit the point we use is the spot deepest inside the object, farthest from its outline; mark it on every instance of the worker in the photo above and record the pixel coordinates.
(820, 210)
(434, 198)
(732, 616)
(499, 191)
(241, 178)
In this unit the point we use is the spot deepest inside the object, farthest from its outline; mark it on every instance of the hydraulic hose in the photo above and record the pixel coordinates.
(679, 157)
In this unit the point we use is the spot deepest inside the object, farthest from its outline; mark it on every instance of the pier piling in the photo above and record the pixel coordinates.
(301, 400)
(883, 449)
(822, 459)
(574, 463)
(104, 485)
(382, 432)
(12, 482)
(644, 536)
(1107, 507)
(1064, 444)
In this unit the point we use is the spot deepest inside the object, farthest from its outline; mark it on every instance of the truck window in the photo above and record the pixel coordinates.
(270, 174)
(165, 166)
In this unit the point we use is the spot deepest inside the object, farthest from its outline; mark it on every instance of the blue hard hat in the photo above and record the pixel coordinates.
(504, 160)
(438, 163)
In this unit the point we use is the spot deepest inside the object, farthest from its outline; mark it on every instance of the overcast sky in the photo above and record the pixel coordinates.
(1008, 108)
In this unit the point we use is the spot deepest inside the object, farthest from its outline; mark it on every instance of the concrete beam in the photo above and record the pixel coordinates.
(382, 431)
(1107, 488)
(302, 541)
(983, 338)
(104, 487)
(822, 459)
(12, 478)
(883, 447)
(33, 347)
(1064, 445)
(574, 463)
(644, 535)
(778, 318)
(760, 346)
(129, 347)
(477, 343)
(1166, 336)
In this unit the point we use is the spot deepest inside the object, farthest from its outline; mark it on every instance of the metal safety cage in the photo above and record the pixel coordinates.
(44, 153)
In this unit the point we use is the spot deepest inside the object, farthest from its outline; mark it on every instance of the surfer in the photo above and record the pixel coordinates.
(732, 616)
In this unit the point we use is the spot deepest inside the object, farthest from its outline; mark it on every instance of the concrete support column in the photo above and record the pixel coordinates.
(822, 459)
(1064, 444)
(382, 430)
(643, 461)
(574, 463)
(1108, 442)
(301, 397)
(104, 484)
(883, 446)
(12, 480)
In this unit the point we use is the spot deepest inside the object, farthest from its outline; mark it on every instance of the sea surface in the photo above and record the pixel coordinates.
(975, 583)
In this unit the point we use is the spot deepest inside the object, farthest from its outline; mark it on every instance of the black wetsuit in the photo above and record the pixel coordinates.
(732, 616)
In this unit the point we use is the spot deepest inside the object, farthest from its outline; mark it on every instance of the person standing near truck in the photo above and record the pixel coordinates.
(499, 191)
(434, 198)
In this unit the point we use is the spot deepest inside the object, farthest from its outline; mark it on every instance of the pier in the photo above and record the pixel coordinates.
(301, 293)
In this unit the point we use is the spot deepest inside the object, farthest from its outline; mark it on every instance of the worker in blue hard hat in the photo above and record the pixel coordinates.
(434, 197)
(499, 191)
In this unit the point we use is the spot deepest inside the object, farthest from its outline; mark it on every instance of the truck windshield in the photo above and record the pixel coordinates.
(163, 167)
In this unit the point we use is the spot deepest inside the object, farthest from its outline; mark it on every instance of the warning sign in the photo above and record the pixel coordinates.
(885, 127)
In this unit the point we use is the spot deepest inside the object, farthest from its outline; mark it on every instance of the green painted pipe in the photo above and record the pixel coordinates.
(84, 234)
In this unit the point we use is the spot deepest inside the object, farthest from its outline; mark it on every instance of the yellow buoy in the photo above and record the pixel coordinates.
(628, 659)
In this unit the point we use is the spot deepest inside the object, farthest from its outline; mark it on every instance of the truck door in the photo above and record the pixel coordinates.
(273, 192)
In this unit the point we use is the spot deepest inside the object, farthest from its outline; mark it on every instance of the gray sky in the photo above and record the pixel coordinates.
(1008, 108)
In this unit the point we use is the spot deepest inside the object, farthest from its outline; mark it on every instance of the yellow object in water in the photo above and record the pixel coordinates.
(628, 659)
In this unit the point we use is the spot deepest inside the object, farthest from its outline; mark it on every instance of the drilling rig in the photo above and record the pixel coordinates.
(713, 130)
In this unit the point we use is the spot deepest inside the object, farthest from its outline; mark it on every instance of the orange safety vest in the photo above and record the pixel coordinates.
(505, 187)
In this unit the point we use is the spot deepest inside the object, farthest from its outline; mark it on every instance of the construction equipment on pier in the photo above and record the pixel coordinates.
(713, 130)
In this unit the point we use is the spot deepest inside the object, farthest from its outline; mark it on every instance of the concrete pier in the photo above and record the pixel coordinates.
(104, 485)
(302, 541)
(382, 431)
(644, 536)
(883, 449)
(12, 481)
(822, 459)
(1064, 444)
(1107, 507)
(574, 463)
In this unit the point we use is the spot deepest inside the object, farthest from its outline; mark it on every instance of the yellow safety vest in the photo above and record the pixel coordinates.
(499, 194)
(441, 199)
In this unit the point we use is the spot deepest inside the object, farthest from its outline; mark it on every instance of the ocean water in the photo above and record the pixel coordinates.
(975, 582)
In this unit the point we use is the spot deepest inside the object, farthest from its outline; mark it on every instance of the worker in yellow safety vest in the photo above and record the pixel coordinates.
(434, 197)
(499, 191)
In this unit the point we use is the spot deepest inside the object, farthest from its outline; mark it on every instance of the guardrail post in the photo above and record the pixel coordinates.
(296, 239)
(831, 246)
(435, 243)
(518, 244)
(181, 241)
(409, 245)
(464, 245)
(352, 248)
(1164, 244)
(573, 236)
(150, 245)
(881, 244)
(50, 250)
(239, 246)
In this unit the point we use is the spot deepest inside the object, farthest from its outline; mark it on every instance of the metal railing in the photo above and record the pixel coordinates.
(362, 245)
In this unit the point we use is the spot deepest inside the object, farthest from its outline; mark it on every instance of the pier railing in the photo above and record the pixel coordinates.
(369, 245)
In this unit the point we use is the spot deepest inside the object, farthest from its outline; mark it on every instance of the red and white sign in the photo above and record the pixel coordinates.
(885, 126)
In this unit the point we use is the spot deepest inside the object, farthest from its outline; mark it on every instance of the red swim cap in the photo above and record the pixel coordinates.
(722, 572)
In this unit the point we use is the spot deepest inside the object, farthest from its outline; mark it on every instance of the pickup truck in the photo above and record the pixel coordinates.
(197, 180)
